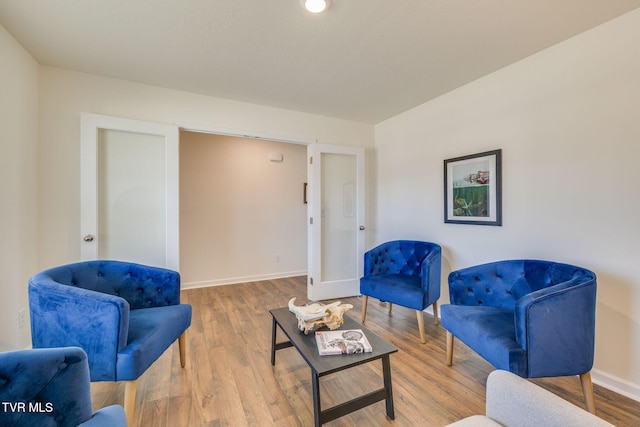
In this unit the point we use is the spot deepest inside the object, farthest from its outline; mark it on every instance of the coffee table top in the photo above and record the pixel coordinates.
(323, 365)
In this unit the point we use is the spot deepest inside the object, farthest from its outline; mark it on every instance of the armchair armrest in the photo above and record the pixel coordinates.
(430, 273)
(59, 318)
(110, 416)
(559, 322)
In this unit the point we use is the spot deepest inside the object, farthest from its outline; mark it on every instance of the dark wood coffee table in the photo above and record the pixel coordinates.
(324, 365)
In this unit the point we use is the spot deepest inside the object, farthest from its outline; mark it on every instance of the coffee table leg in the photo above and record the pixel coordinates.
(315, 385)
(386, 374)
(273, 342)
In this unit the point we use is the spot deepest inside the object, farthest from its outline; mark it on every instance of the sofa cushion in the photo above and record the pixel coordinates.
(516, 402)
(476, 421)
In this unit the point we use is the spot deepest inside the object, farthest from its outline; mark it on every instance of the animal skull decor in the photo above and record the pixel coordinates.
(316, 315)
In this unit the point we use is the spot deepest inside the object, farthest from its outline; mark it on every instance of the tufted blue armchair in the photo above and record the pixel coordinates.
(530, 317)
(50, 387)
(403, 272)
(123, 315)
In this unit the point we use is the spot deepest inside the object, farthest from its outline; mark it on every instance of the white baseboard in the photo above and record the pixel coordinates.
(618, 385)
(243, 279)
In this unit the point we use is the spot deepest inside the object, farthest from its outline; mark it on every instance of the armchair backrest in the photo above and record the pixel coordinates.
(400, 257)
(140, 285)
(503, 283)
(44, 387)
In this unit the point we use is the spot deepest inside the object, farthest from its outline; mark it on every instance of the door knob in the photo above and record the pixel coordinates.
(88, 238)
(362, 227)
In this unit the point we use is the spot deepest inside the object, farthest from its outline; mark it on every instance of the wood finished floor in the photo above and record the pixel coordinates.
(229, 380)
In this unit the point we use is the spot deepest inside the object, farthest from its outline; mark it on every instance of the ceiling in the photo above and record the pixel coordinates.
(362, 60)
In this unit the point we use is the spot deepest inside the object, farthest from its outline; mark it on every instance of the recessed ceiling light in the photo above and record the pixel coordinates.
(315, 6)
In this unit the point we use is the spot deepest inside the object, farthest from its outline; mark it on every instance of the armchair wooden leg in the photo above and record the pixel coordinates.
(364, 307)
(435, 313)
(587, 390)
(130, 400)
(390, 305)
(449, 348)
(420, 316)
(182, 345)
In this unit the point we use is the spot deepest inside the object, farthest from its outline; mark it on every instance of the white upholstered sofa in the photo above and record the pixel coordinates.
(513, 401)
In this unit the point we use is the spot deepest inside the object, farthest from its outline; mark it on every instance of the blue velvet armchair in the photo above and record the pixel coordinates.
(123, 315)
(403, 272)
(530, 317)
(50, 387)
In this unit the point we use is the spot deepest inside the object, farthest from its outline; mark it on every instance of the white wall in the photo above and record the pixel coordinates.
(242, 216)
(567, 120)
(65, 94)
(18, 190)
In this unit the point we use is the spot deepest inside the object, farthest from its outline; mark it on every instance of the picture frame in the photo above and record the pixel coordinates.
(473, 189)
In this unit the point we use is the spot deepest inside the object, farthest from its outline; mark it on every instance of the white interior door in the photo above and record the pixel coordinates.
(129, 191)
(336, 221)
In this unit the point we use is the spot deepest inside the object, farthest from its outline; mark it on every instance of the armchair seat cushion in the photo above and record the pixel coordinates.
(398, 289)
(151, 332)
(489, 331)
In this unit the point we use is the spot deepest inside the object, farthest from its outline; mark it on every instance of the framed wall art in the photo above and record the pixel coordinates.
(473, 189)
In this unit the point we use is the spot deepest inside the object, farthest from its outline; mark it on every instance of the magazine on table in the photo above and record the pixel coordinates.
(349, 341)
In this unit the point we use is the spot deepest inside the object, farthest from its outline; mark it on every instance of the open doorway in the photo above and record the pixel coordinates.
(242, 210)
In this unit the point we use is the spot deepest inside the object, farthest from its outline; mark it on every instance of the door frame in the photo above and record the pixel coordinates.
(317, 289)
(90, 124)
(309, 142)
